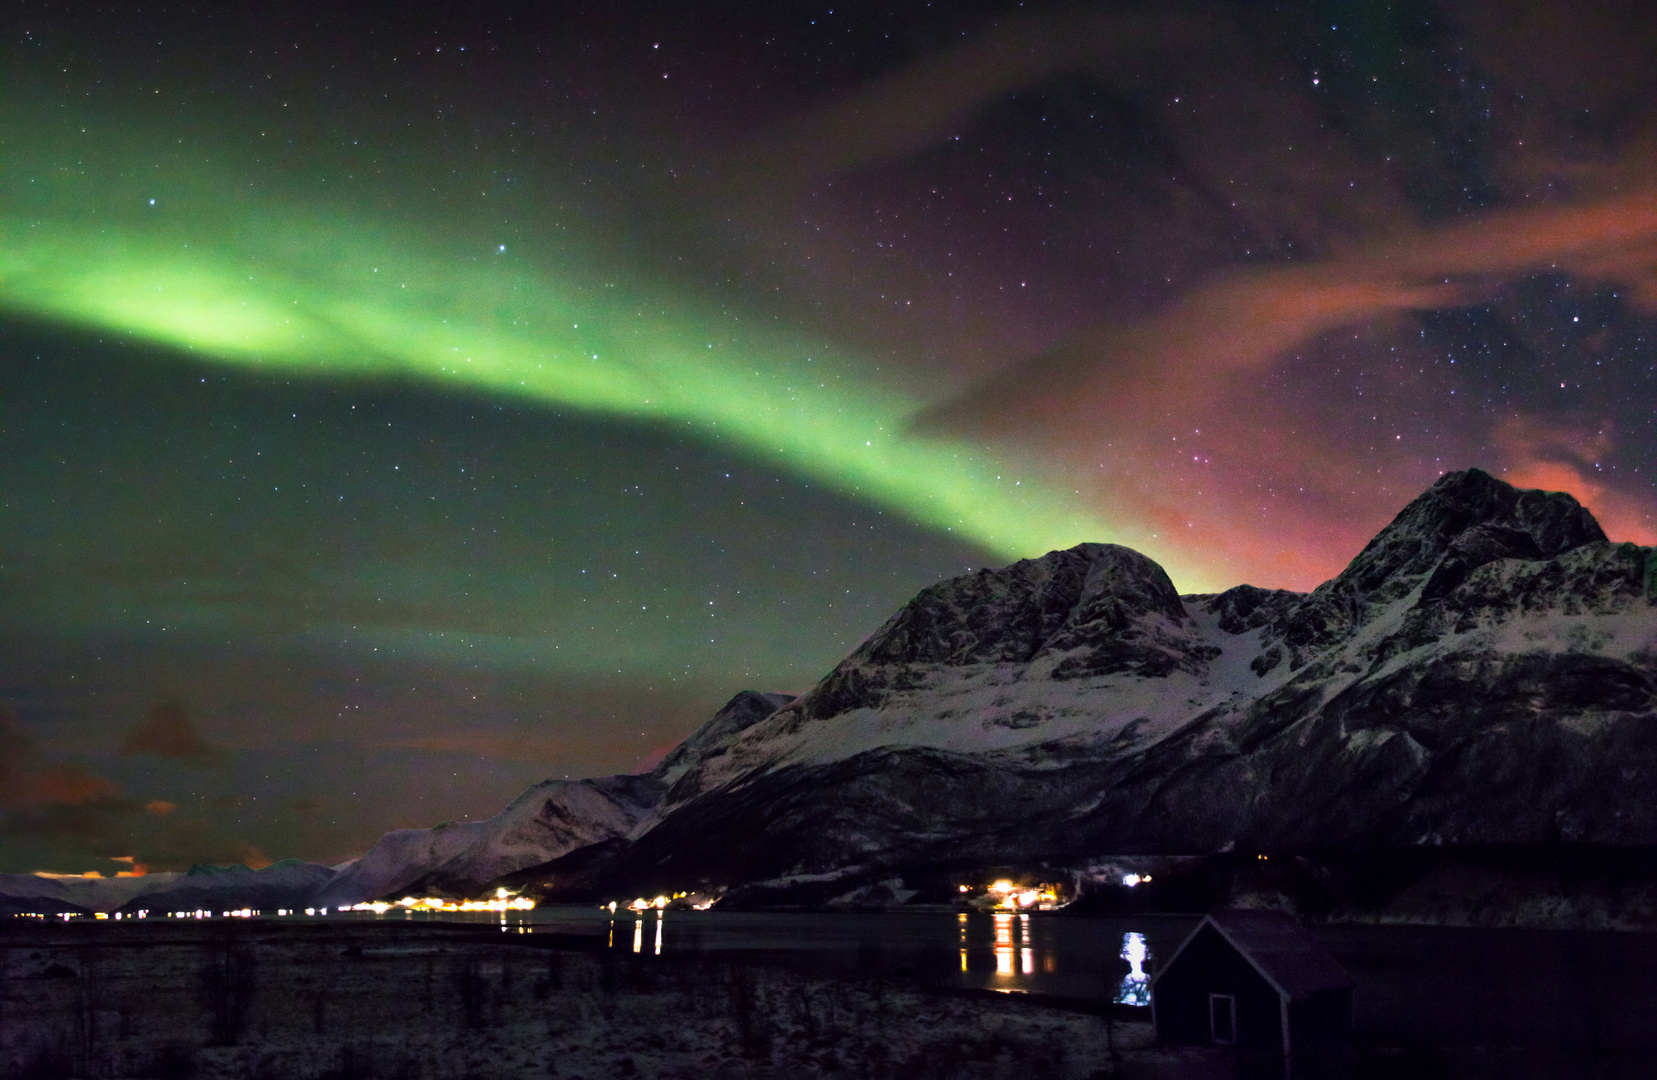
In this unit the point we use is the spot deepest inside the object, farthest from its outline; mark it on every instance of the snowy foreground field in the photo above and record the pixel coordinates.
(265, 1001)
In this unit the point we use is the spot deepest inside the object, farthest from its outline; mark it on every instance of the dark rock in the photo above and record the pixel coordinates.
(1248, 607)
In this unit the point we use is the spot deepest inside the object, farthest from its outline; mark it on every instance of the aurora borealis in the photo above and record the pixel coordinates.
(398, 411)
(330, 293)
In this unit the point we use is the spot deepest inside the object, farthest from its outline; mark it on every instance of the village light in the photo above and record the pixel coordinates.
(436, 903)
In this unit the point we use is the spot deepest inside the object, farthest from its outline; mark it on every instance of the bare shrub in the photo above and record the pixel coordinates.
(227, 984)
(746, 1009)
(471, 991)
(552, 979)
(89, 999)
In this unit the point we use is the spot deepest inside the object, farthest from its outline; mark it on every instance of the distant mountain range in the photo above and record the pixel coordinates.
(1482, 674)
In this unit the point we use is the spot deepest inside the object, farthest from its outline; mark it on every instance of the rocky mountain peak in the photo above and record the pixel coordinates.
(1094, 609)
(1463, 521)
(1014, 613)
(736, 716)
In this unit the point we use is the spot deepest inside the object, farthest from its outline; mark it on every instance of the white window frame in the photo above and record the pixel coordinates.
(1229, 1003)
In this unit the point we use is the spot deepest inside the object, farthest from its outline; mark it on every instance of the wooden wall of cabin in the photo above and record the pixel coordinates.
(1209, 965)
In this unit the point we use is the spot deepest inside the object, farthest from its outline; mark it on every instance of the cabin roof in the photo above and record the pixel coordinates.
(1278, 947)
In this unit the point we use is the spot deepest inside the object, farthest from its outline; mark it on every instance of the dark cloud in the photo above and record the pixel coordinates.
(57, 817)
(167, 731)
(910, 109)
(1170, 366)
(28, 782)
(1278, 148)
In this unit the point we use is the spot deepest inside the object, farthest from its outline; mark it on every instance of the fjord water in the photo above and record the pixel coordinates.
(1088, 959)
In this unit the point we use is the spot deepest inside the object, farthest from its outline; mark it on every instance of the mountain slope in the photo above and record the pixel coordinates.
(547, 821)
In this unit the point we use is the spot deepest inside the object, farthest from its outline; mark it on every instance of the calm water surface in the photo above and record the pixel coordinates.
(1100, 959)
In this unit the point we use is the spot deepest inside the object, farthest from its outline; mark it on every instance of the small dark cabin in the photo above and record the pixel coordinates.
(1256, 981)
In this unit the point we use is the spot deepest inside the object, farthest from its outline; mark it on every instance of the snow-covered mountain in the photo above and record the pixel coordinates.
(550, 820)
(1483, 673)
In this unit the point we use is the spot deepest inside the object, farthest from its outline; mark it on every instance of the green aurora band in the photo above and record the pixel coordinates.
(171, 245)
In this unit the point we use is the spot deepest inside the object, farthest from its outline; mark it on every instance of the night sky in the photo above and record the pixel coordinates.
(399, 406)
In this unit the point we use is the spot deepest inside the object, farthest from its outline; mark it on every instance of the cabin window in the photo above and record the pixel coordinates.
(1222, 1018)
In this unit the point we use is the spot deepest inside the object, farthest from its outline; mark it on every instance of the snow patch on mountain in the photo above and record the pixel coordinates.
(546, 821)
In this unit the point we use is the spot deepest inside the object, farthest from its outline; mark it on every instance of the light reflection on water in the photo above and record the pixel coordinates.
(1014, 944)
(1003, 944)
(1011, 952)
(1136, 984)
